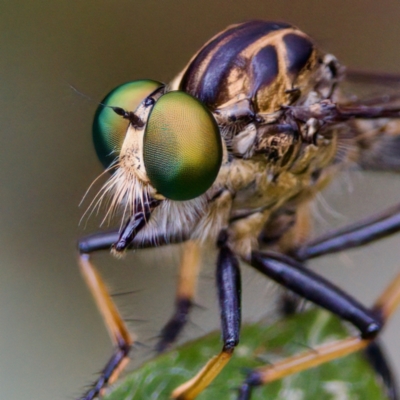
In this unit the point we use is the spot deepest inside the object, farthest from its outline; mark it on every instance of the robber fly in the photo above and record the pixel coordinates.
(230, 154)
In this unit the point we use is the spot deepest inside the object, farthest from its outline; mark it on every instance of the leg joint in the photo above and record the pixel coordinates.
(229, 345)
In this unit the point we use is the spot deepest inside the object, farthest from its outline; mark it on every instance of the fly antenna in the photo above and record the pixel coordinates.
(79, 92)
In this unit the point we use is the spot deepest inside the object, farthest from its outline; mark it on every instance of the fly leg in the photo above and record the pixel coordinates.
(293, 275)
(188, 274)
(307, 284)
(118, 331)
(378, 361)
(116, 326)
(229, 291)
(363, 232)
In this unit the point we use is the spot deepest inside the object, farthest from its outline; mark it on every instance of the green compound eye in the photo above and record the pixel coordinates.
(182, 147)
(109, 129)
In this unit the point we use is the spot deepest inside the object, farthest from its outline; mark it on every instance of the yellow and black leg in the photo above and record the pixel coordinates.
(114, 322)
(229, 295)
(325, 294)
(292, 274)
(186, 290)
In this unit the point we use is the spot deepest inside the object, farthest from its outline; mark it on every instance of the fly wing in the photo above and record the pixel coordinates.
(377, 140)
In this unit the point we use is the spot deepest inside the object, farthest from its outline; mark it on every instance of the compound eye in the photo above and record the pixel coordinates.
(109, 128)
(182, 148)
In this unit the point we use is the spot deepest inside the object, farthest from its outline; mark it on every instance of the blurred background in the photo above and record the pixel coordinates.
(52, 340)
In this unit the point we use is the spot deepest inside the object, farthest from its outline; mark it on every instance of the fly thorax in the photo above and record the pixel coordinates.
(256, 68)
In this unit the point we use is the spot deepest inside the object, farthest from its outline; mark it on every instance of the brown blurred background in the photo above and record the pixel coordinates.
(52, 340)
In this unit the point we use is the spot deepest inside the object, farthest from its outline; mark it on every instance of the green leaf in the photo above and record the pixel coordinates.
(348, 378)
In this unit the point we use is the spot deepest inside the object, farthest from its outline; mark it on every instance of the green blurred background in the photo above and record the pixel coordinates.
(52, 340)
